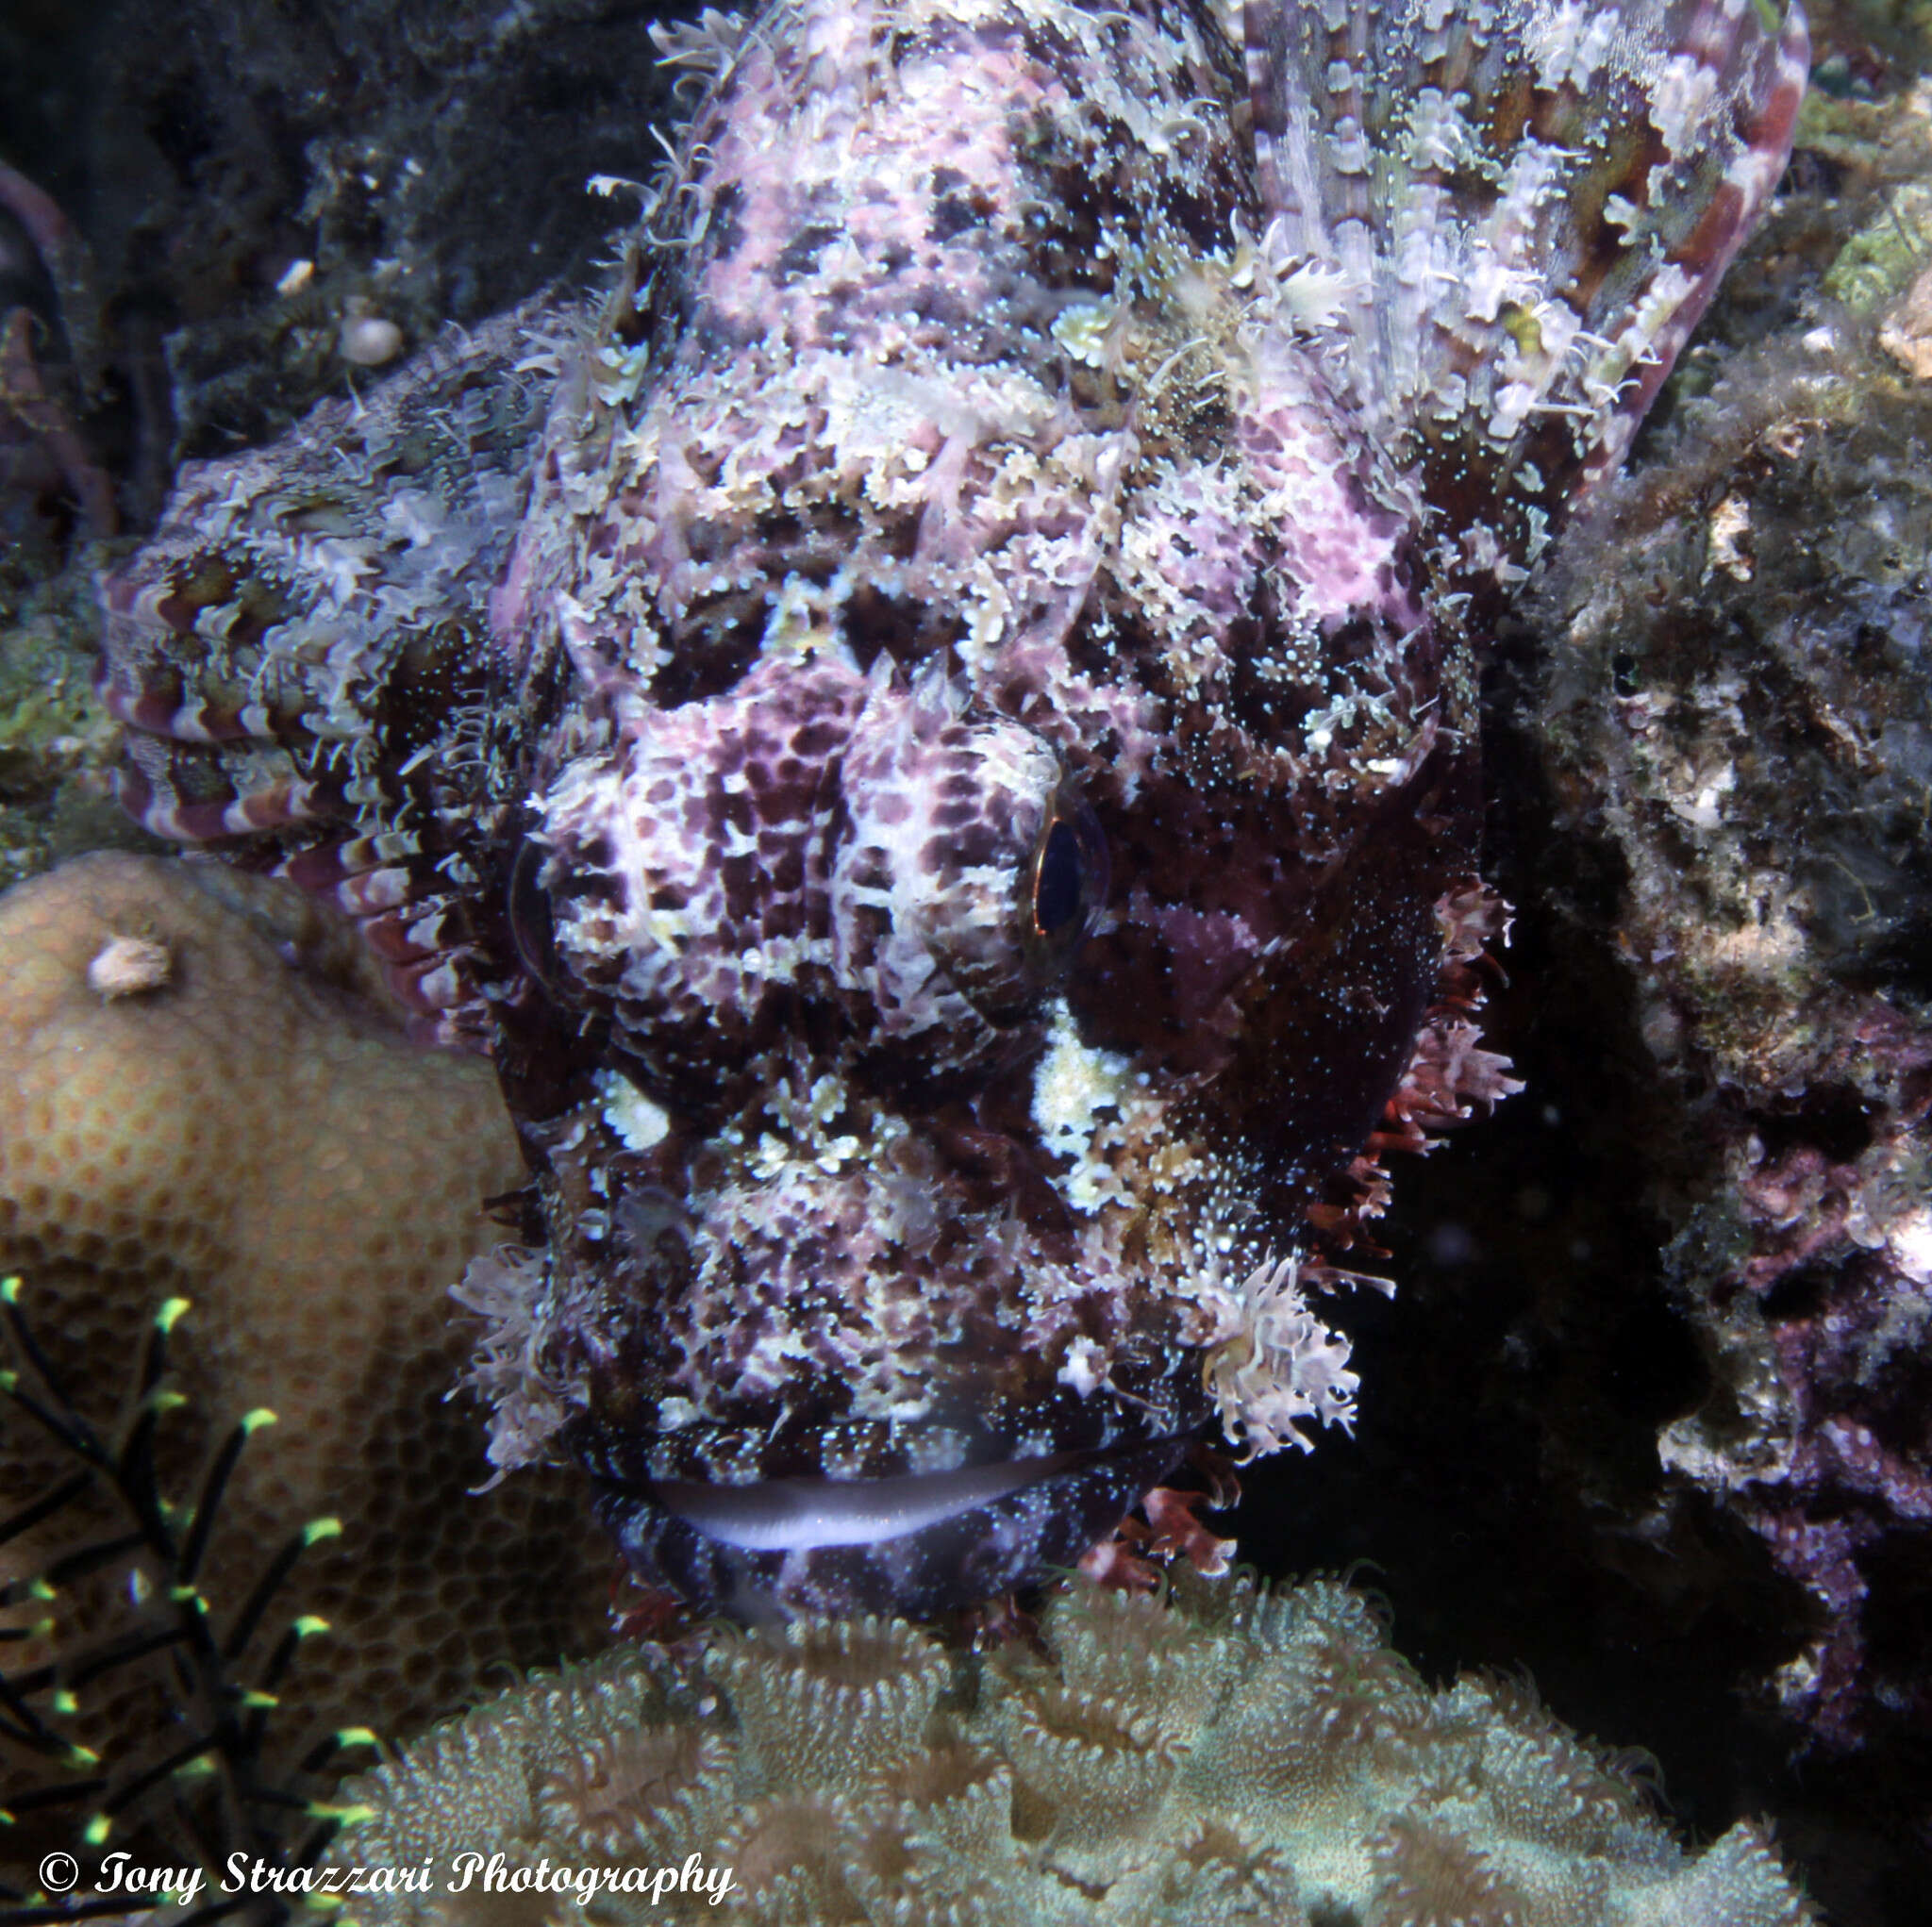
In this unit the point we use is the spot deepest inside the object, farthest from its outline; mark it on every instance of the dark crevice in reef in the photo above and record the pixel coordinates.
(1504, 1481)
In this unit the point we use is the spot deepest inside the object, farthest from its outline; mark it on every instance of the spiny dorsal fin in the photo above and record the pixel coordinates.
(1522, 208)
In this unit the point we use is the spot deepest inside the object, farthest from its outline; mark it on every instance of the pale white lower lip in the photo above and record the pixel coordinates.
(796, 1515)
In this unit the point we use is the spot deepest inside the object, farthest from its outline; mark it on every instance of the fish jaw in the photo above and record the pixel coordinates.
(917, 1546)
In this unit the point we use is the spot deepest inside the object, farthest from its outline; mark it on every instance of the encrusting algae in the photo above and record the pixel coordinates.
(1229, 1754)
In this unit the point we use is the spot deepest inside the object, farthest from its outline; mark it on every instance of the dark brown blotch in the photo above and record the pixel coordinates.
(800, 255)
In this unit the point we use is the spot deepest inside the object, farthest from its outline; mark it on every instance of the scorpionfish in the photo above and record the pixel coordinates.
(931, 732)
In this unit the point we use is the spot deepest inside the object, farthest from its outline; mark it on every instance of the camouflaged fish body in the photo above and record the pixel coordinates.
(945, 773)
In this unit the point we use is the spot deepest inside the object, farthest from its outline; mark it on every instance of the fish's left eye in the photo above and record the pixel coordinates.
(1069, 877)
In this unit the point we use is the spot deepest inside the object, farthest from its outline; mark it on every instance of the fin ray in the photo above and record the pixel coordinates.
(1520, 208)
(302, 657)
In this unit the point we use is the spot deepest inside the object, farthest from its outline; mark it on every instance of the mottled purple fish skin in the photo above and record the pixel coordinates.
(934, 739)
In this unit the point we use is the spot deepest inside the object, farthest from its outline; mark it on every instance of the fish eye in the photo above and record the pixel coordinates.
(1069, 876)
(969, 867)
(532, 923)
(1056, 881)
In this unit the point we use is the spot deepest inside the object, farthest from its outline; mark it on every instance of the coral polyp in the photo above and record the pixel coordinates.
(1228, 1754)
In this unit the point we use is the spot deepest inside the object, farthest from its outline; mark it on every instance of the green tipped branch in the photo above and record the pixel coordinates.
(211, 1785)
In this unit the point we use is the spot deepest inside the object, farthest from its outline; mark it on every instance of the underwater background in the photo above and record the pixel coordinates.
(1651, 1414)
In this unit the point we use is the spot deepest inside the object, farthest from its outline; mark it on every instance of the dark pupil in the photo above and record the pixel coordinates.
(530, 920)
(1056, 882)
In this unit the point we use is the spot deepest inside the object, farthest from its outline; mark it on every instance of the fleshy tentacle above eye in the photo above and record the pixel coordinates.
(967, 872)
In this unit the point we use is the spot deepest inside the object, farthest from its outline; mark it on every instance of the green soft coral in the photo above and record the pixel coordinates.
(1231, 1755)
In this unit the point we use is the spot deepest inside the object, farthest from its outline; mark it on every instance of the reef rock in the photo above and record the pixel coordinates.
(1737, 709)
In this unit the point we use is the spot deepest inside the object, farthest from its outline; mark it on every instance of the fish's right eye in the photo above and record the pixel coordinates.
(1069, 878)
(532, 923)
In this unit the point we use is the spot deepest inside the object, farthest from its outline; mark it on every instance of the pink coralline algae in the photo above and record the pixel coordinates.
(934, 741)
(1817, 1436)
(1740, 715)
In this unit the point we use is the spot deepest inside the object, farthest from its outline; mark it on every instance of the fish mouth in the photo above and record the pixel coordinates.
(801, 1515)
(915, 1543)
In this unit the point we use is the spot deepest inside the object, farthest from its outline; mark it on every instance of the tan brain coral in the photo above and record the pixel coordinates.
(199, 1098)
